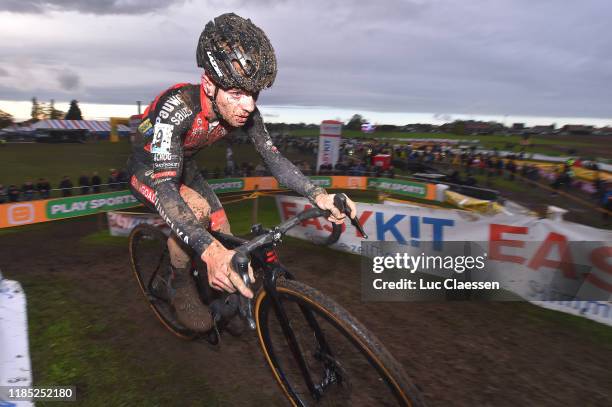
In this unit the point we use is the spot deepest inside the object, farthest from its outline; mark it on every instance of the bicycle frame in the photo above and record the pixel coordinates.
(264, 259)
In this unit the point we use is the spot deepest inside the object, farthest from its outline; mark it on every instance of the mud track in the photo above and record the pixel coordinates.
(460, 354)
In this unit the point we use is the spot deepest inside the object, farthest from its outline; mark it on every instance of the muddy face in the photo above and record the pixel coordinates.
(235, 105)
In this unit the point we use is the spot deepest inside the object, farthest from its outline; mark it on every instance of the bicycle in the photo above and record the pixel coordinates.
(303, 334)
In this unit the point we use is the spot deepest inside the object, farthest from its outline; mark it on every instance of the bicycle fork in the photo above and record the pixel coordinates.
(331, 373)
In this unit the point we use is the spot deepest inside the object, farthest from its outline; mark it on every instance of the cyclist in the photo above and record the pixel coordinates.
(238, 62)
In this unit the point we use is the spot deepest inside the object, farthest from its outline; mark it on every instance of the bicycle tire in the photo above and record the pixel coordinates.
(400, 388)
(144, 265)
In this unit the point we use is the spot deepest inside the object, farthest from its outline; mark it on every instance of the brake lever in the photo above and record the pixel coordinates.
(240, 263)
(340, 203)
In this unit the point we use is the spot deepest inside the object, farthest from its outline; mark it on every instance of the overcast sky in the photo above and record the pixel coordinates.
(438, 58)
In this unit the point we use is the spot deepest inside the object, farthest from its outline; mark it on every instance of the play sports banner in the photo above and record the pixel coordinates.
(25, 213)
(531, 254)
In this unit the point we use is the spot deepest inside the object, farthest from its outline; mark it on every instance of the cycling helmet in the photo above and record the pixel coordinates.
(236, 54)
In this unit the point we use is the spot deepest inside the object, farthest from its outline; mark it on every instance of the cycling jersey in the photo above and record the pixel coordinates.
(174, 128)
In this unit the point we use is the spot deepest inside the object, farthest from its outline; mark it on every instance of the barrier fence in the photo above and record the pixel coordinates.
(29, 212)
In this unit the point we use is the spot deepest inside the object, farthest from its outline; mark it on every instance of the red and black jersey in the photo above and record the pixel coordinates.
(174, 127)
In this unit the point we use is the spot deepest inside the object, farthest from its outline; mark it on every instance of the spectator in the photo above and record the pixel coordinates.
(84, 184)
(470, 181)
(3, 195)
(606, 199)
(28, 191)
(66, 186)
(204, 172)
(260, 170)
(13, 193)
(511, 167)
(44, 188)
(96, 181)
(482, 165)
(113, 179)
(250, 169)
(122, 179)
(500, 166)
(229, 158)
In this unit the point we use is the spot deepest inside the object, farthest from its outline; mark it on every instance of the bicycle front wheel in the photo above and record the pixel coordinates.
(346, 364)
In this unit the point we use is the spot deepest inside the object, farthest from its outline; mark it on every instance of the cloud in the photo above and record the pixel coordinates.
(87, 6)
(68, 80)
(509, 57)
(3, 72)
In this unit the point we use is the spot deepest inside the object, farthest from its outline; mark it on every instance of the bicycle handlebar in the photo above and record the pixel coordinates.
(240, 261)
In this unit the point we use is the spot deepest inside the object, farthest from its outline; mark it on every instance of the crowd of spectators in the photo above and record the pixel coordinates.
(29, 191)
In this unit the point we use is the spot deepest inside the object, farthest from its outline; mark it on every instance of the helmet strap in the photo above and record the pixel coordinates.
(213, 99)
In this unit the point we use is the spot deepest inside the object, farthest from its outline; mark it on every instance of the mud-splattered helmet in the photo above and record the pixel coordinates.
(236, 54)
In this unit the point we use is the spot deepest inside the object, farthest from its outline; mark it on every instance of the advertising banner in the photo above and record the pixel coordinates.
(260, 183)
(329, 143)
(226, 185)
(62, 208)
(25, 213)
(540, 259)
(122, 223)
(401, 187)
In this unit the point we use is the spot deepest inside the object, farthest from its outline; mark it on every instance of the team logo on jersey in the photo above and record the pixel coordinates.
(146, 128)
(181, 115)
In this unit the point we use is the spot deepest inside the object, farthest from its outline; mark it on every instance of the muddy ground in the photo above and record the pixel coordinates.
(460, 354)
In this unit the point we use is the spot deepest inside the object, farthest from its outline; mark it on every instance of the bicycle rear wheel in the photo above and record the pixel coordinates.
(347, 363)
(150, 262)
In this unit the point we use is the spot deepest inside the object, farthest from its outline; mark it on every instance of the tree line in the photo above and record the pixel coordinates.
(42, 111)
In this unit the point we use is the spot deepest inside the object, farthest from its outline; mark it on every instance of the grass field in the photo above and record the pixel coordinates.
(30, 161)
(20, 162)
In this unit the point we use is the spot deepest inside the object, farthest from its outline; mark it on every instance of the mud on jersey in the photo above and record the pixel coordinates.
(174, 128)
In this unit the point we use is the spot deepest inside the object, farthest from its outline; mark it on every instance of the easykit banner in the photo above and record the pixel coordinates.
(122, 223)
(329, 143)
(534, 258)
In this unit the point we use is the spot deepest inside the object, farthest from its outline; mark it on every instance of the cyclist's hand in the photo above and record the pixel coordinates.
(326, 202)
(221, 276)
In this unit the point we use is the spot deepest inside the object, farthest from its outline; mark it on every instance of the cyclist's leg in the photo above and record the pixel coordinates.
(194, 180)
(190, 310)
(205, 202)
